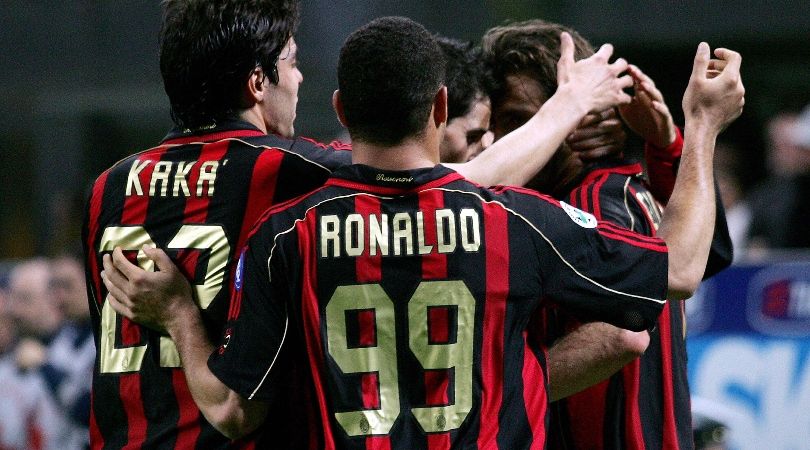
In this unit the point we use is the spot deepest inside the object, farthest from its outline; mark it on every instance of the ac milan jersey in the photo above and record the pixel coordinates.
(406, 295)
(646, 404)
(197, 196)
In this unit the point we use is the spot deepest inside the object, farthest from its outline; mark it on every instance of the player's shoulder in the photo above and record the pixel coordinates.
(284, 215)
(305, 151)
(123, 166)
(513, 196)
(607, 183)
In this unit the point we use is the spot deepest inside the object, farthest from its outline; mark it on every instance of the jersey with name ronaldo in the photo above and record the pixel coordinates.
(646, 404)
(407, 296)
(197, 197)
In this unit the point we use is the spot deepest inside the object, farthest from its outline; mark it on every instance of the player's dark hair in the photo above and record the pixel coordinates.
(208, 49)
(389, 73)
(529, 48)
(463, 75)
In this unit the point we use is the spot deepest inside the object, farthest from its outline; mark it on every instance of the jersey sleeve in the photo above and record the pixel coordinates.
(250, 355)
(594, 269)
(721, 252)
(662, 166)
(331, 156)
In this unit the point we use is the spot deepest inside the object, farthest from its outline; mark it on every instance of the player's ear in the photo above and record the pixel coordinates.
(254, 88)
(440, 107)
(337, 103)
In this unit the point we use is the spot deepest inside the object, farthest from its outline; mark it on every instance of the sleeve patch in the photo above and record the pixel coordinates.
(580, 217)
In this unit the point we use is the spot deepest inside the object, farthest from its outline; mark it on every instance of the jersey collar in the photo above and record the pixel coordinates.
(221, 130)
(611, 166)
(392, 182)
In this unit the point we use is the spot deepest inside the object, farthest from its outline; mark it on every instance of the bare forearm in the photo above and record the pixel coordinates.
(590, 354)
(226, 410)
(517, 157)
(688, 221)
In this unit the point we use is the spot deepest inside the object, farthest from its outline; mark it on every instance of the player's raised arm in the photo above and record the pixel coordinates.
(710, 104)
(588, 85)
(163, 300)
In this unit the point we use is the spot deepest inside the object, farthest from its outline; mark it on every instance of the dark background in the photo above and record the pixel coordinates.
(80, 86)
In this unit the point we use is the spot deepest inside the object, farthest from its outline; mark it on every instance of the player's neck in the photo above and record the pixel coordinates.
(408, 155)
(254, 117)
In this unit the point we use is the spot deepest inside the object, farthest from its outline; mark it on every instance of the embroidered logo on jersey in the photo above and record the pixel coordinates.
(390, 179)
(580, 217)
(240, 267)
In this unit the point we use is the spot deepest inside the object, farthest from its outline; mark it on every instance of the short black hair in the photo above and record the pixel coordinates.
(463, 75)
(388, 74)
(529, 48)
(208, 49)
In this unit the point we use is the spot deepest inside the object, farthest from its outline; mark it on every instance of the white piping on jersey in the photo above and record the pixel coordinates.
(275, 238)
(266, 147)
(285, 150)
(594, 282)
(292, 227)
(269, 278)
(272, 363)
(627, 206)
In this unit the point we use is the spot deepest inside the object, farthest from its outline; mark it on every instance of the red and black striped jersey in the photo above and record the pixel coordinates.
(406, 298)
(646, 404)
(197, 196)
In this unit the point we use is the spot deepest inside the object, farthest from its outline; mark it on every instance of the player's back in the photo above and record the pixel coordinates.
(646, 403)
(197, 197)
(408, 295)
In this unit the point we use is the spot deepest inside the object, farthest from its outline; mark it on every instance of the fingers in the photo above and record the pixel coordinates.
(596, 142)
(122, 264)
(605, 52)
(733, 59)
(116, 297)
(566, 48)
(604, 127)
(113, 277)
(645, 84)
(717, 64)
(625, 82)
(161, 259)
(619, 66)
(114, 280)
(599, 153)
(566, 57)
(597, 117)
(660, 107)
(701, 60)
(607, 137)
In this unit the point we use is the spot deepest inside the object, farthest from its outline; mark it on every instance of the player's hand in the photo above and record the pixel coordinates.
(593, 82)
(647, 114)
(598, 136)
(715, 95)
(154, 299)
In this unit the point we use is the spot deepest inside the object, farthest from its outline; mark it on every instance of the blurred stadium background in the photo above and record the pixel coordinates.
(80, 88)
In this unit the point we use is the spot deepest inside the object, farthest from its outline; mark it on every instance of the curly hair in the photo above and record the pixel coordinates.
(208, 50)
(531, 47)
(389, 72)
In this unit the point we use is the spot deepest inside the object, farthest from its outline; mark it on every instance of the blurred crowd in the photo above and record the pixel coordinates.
(774, 214)
(46, 354)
